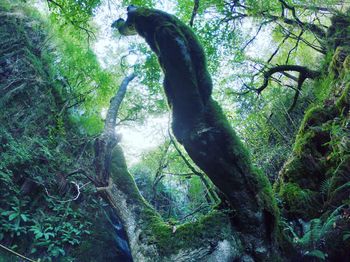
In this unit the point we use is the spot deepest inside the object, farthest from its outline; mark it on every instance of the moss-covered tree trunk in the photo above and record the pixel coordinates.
(149, 237)
(201, 127)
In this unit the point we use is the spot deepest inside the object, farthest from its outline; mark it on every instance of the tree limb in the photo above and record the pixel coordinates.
(105, 144)
(194, 12)
(304, 73)
(115, 103)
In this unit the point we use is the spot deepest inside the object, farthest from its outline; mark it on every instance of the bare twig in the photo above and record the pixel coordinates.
(295, 46)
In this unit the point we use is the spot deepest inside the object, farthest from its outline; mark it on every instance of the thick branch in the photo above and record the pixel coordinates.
(115, 103)
(105, 144)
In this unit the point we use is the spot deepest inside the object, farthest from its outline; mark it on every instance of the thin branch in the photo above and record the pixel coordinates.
(17, 254)
(294, 36)
(295, 46)
(302, 78)
(278, 48)
(194, 12)
(195, 172)
(253, 38)
(199, 208)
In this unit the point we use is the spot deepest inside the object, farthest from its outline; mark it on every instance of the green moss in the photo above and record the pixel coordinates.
(122, 178)
(189, 235)
(268, 201)
(217, 118)
(344, 101)
(346, 64)
(296, 200)
(336, 65)
(302, 140)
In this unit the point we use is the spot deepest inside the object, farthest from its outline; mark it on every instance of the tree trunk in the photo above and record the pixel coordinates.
(201, 127)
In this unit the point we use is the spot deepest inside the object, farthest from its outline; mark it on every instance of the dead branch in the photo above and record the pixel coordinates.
(105, 144)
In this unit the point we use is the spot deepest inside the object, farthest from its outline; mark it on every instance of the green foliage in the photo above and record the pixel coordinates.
(296, 200)
(77, 13)
(55, 231)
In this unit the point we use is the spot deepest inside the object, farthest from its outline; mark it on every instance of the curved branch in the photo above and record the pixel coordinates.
(304, 72)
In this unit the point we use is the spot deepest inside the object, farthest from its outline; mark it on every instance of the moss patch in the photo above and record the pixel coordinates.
(209, 229)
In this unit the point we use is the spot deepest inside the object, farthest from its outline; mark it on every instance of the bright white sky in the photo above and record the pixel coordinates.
(137, 139)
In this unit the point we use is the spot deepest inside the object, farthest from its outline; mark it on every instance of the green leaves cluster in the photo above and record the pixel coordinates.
(76, 13)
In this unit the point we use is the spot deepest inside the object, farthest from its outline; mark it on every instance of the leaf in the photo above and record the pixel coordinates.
(346, 236)
(6, 213)
(24, 217)
(13, 216)
(316, 253)
(40, 244)
(38, 235)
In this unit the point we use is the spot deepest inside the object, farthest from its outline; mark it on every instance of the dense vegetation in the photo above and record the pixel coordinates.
(262, 175)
